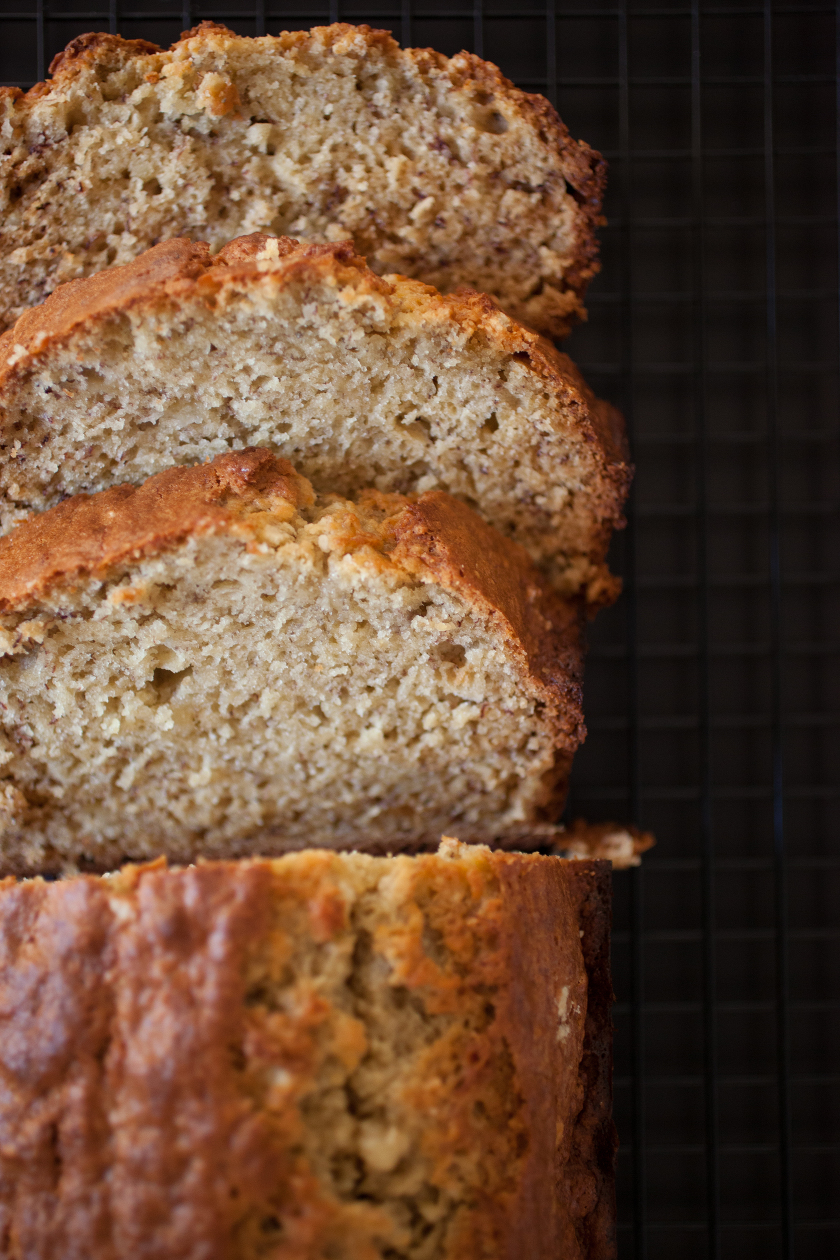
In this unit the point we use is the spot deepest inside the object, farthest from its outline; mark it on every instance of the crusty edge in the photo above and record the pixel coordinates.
(59, 1033)
(88, 534)
(586, 1178)
(94, 48)
(440, 536)
(150, 276)
(595, 1142)
(170, 272)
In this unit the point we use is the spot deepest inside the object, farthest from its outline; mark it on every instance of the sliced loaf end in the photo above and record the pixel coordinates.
(323, 1054)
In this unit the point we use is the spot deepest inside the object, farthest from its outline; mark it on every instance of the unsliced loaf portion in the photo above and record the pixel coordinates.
(359, 381)
(437, 168)
(214, 664)
(321, 1057)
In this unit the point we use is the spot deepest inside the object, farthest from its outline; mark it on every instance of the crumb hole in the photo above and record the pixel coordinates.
(453, 653)
(496, 123)
(165, 682)
(422, 429)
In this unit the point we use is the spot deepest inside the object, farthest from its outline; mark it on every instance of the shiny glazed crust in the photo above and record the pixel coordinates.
(166, 1079)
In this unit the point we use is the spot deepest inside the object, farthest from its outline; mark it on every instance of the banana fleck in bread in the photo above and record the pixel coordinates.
(217, 664)
(320, 1057)
(360, 382)
(437, 168)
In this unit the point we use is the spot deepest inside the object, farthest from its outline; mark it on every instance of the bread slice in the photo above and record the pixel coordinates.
(216, 664)
(437, 168)
(360, 382)
(319, 1056)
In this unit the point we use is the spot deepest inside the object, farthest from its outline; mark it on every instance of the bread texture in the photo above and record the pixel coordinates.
(435, 167)
(320, 1057)
(359, 381)
(216, 663)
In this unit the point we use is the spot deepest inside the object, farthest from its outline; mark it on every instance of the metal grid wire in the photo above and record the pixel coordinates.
(712, 688)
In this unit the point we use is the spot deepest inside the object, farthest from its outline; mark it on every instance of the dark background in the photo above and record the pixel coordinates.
(713, 688)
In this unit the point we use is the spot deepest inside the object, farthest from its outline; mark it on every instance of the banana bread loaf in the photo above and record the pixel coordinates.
(360, 382)
(320, 1057)
(437, 168)
(216, 664)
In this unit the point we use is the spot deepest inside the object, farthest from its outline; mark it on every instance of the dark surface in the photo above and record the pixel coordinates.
(713, 687)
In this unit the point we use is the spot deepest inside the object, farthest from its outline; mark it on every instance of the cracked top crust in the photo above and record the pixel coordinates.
(320, 1055)
(436, 167)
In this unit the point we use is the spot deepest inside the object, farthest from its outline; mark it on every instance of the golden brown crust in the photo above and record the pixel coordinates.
(172, 271)
(135, 1118)
(442, 536)
(90, 1103)
(583, 1163)
(168, 271)
(96, 48)
(116, 288)
(91, 533)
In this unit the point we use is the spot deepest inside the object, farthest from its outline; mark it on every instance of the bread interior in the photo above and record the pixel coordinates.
(343, 137)
(351, 389)
(245, 692)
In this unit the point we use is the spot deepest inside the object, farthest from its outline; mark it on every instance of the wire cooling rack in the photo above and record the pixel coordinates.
(713, 688)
